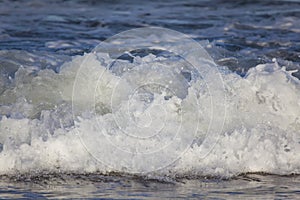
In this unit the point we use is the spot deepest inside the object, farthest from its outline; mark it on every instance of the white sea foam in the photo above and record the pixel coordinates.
(147, 117)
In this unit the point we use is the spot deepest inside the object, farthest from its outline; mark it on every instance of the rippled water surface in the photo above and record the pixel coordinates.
(114, 187)
(254, 31)
(36, 122)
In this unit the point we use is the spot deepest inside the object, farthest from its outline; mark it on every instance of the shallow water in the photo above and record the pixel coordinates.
(58, 117)
(115, 187)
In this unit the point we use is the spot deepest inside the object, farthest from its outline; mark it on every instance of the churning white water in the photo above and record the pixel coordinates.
(163, 108)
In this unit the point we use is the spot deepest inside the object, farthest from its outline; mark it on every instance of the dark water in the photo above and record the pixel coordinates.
(251, 186)
(245, 34)
(253, 32)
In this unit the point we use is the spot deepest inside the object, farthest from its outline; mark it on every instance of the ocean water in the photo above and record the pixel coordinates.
(160, 99)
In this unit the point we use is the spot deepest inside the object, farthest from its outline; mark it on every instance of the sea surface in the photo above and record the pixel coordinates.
(150, 99)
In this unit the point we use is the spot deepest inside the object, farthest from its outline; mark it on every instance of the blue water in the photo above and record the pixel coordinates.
(46, 34)
(253, 31)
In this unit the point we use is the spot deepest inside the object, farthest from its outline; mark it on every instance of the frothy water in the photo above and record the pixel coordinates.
(164, 110)
(150, 112)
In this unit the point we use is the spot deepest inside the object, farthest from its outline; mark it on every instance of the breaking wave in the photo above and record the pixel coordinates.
(155, 103)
